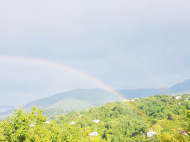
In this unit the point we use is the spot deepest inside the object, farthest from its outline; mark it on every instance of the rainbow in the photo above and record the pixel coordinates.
(48, 62)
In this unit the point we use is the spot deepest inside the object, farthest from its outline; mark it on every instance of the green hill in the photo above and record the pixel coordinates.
(67, 105)
(94, 97)
(127, 121)
(131, 120)
(156, 109)
(118, 122)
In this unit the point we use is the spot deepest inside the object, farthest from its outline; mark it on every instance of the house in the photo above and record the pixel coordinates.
(178, 97)
(179, 104)
(151, 133)
(96, 121)
(47, 122)
(32, 125)
(71, 123)
(184, 133)
(132, 100)
(187, 99)
(137, 98)
(94, 134)
(126, 100)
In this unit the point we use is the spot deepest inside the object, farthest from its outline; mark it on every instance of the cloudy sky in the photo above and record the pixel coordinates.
(125, 44)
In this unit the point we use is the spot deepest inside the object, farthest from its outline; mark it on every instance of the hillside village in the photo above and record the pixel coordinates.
(153, 118)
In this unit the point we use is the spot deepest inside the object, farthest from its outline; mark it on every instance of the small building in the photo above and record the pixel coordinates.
(151, 133)
(32, 125)
(187, 99)
(184, 133)
(178, 97)
(96, 121)
(47, 122)
(132, 100)
(137, 98)
(126, 100)
(94, 134)
(71, 123)
(179, 104)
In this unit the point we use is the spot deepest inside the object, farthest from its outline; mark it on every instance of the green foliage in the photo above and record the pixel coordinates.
(173, 136)
(18, 127)
(118, 122)
(156, 109)
(31, 127)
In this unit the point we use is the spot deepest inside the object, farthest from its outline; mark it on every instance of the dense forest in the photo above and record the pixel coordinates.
(126, 121)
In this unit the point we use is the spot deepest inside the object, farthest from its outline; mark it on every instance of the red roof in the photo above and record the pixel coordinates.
(185, 131)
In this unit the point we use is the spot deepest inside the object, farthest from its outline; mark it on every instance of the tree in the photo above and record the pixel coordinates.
(26, 126)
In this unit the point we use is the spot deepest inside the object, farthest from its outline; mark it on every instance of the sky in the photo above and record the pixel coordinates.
(124, 44)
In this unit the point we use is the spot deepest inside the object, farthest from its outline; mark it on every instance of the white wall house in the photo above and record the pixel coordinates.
(96, 121)
(126, 100)
(178, 97)
(47, 122)
(184, 133)
(32, 125)
(71, 123)
(151, 133)
(133, 100)
(94, 134)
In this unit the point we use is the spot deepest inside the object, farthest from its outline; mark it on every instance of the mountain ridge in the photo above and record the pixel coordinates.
(98, 97)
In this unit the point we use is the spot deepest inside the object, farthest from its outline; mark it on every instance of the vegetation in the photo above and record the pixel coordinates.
(83, 98)
(118, 122)
(127, 121)
(65, 106)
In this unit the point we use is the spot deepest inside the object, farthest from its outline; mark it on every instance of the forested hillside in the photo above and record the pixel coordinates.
(163, 113)
(96, 97)
(66, 105)
(126, 121)
(117, 122)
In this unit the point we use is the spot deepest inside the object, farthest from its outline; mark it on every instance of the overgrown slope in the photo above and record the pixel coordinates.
(67, 105)
(118, 122)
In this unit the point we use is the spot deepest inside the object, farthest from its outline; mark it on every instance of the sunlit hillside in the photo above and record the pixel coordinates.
(126, 121)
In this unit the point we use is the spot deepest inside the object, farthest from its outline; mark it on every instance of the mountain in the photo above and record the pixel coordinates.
(180, 88)
(86, 98)
(183, 87)
(6, 108)
(78, 98)
(140, 93)
(95, 97)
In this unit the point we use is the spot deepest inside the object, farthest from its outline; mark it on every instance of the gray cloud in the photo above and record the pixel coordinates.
(126, 44)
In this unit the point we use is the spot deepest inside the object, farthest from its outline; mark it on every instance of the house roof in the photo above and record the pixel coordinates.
(185, 131)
